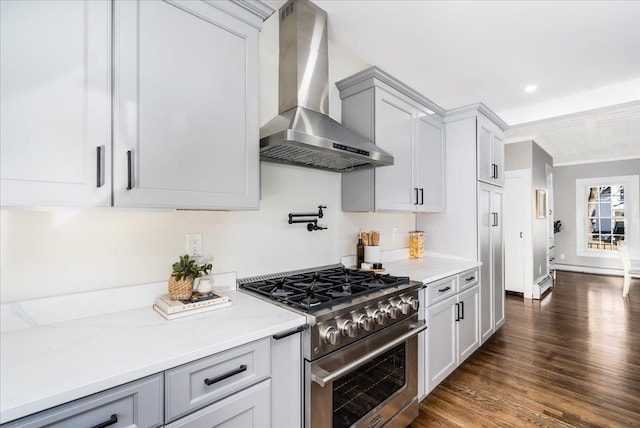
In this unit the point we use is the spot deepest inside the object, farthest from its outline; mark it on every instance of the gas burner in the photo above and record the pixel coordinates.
(280, 291)
(308, 301)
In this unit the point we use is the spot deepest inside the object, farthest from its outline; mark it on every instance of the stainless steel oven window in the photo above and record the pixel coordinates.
(360, 391)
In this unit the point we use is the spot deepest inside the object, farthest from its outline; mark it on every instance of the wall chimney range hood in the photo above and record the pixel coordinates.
(303, 134)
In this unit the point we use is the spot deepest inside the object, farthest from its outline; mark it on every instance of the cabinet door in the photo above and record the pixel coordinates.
(249, 408)
(136, 404)
(55, 97)
(186, 107)
(467, 325)
(497, 259)
(429, 164)
(394, 131)
(497, 155)
(441, 343)
(485, 220)
(286, 381)
(484, 158)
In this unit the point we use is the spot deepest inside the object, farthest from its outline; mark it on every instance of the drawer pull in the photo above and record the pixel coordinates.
(289, 333)
(240, 369)
(111, 421)
(471, 278)
(442, 290)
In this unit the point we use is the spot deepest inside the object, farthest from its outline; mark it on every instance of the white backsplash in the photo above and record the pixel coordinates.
(49, 253)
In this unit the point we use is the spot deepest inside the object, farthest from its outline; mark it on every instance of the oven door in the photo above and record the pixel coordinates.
(368, 383)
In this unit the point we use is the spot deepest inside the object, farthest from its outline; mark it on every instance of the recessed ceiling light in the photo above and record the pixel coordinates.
(530, 88)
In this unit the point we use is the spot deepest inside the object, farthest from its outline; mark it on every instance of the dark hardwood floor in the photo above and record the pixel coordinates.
(571, 359)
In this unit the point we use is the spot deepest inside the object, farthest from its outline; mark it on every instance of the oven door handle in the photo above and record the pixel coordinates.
(323, 377)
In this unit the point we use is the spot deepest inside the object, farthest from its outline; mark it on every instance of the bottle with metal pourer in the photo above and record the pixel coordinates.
(359, 252)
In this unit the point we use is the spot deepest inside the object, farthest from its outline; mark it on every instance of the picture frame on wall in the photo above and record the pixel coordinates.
(541, 203)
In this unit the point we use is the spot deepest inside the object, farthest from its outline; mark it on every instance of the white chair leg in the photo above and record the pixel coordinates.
(625, 285)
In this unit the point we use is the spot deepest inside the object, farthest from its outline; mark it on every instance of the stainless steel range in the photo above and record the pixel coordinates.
(359, 345)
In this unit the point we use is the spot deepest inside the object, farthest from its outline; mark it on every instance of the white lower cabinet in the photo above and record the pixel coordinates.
(136, 404)
(248, 408)
(453, 331)
(256, 385)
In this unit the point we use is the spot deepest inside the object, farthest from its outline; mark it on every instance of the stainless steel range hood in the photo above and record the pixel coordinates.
(303, 134)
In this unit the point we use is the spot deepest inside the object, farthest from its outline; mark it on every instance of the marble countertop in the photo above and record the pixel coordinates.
(431, 267)
(47, 365)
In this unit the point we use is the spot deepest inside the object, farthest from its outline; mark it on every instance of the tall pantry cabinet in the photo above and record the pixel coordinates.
(472, 227)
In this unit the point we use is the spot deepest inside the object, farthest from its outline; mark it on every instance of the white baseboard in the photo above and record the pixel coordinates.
(589, 269)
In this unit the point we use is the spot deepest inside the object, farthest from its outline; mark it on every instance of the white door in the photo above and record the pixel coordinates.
(515, 193)
(394, 130)
(442, 344)
(55, 99)
(429, 164)
(484, 253)
(497, 257)
(467, 325)
(186, 107)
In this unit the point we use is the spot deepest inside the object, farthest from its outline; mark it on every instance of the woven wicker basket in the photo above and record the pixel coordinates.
(180, 290)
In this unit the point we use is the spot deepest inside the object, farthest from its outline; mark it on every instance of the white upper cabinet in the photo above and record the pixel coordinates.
(186, 107)
(490, 152)
(185, 103)
(430, 164)
(55, 96)
(394, 132)
(408, 126)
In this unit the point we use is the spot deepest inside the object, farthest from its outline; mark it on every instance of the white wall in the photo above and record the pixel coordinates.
(44, 253)
(564, 201)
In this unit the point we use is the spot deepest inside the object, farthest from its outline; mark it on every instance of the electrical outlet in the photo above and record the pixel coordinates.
(561, 256)
(194, 244)
(539, 270)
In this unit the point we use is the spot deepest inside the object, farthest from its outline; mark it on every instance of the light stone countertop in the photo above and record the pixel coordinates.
(48, 365)
(431, 267)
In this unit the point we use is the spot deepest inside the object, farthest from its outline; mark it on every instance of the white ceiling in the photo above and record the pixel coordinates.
(582, 55)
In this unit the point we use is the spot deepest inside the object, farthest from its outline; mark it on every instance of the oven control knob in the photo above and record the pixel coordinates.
(415, 303)
(393, 312)
(365, 322)
(379, 316)
(404, 307)
(331, 335)
(349, 329)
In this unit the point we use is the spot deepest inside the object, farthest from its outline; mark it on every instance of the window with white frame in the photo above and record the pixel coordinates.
(606, 214)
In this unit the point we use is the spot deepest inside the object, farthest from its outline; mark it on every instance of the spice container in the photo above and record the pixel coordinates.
(416, 244)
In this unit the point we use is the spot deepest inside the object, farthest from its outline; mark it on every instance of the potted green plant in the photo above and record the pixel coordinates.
(185, 271)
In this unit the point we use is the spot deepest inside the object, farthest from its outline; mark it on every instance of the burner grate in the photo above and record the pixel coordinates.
(314, 289)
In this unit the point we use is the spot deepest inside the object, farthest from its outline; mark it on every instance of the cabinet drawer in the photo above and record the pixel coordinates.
(247, 409)
(136, 404)
(437, 291)
(468, 278)
(197, 384)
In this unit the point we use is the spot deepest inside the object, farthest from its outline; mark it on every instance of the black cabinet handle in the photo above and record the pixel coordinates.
(421, 196)
(100, 166)
(462, 306)
(442, 290)
(224, 376)
(111, 421)
(289, 333)
(471, 278)
(129, 170)
(494, 170)
(416, 190)
(457, 312)
(495, 219)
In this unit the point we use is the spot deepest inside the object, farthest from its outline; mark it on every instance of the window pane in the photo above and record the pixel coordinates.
(605, 225)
